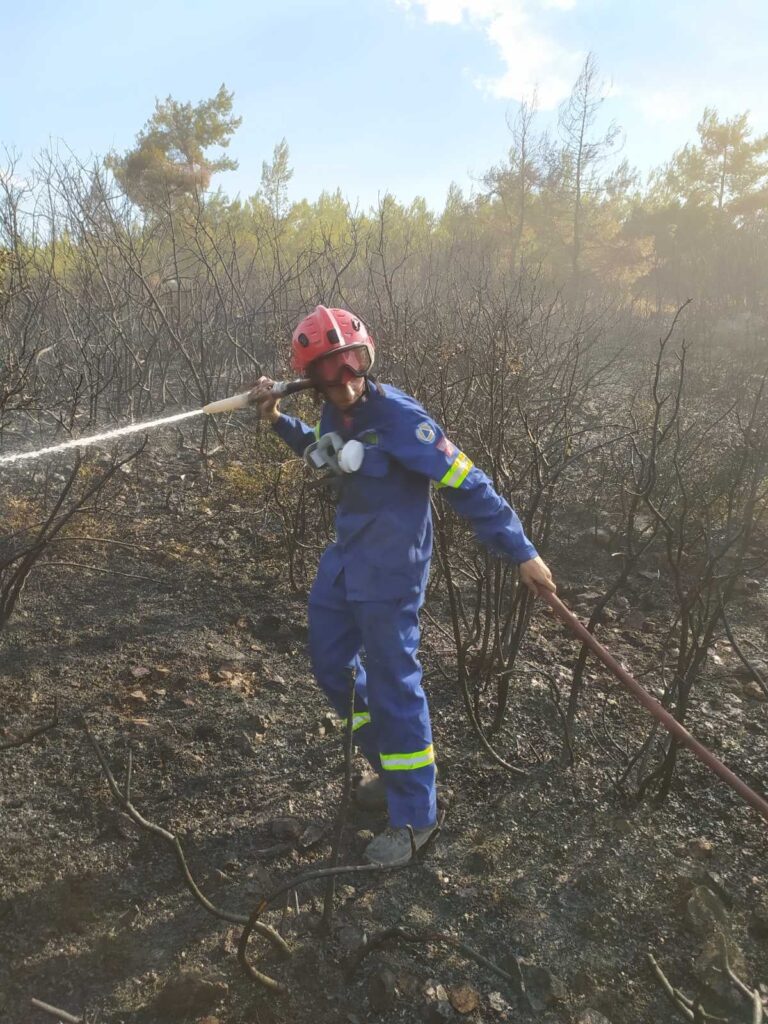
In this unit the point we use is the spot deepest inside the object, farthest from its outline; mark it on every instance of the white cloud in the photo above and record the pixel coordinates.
(533, 59)
(665, 106)
(450, 12)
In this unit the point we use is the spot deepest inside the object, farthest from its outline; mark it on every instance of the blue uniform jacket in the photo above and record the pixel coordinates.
(383, 519)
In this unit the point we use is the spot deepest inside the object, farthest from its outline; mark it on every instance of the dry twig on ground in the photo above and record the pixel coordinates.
(514, 980)
(692, 1009)
(27, 737)
(123, 799)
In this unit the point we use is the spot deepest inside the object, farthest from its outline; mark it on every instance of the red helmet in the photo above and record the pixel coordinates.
(329, 341)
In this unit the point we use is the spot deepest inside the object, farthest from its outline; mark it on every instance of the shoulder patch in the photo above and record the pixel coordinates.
(425, 432)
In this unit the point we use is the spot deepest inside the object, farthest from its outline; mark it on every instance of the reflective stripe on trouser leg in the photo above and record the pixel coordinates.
(408, 761)
(398, 707)
(334, 642)
(359, 719)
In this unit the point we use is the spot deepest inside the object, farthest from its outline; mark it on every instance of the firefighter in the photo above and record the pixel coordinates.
(370, 582)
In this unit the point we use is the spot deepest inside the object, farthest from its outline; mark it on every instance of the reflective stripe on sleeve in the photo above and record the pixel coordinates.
(458, 471)
(406, 762)
(317, 430)
(358, 719)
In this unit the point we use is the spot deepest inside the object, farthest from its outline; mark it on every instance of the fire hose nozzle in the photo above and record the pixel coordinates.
(228, 404)
(242, 401)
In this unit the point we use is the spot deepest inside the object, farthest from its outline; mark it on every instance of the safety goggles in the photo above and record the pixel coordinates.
(332, 368)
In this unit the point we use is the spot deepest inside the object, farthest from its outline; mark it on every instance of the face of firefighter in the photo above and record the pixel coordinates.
(344, 395)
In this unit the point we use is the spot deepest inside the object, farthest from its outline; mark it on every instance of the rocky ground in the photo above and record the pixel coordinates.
(199, 666)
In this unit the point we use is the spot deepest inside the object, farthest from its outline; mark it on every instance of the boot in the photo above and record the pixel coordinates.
(393, 848)
(370, 794)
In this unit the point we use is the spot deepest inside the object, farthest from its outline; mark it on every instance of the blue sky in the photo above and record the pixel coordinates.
(374, 95)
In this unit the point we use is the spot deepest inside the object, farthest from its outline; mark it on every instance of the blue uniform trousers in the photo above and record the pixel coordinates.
(391, 717)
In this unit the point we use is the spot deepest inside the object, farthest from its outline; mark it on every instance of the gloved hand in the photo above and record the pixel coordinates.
(535, 574)
(267, 404)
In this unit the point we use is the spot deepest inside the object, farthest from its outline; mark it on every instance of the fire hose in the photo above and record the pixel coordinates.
(331, 453)
(652, 705)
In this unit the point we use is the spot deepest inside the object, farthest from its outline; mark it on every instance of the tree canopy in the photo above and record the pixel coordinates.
(170, 157)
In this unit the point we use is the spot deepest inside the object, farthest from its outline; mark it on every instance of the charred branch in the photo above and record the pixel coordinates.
(422, 937)
(123, 801)
(26, 737)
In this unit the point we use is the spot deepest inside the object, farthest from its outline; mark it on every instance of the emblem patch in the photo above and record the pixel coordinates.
(425, 433)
